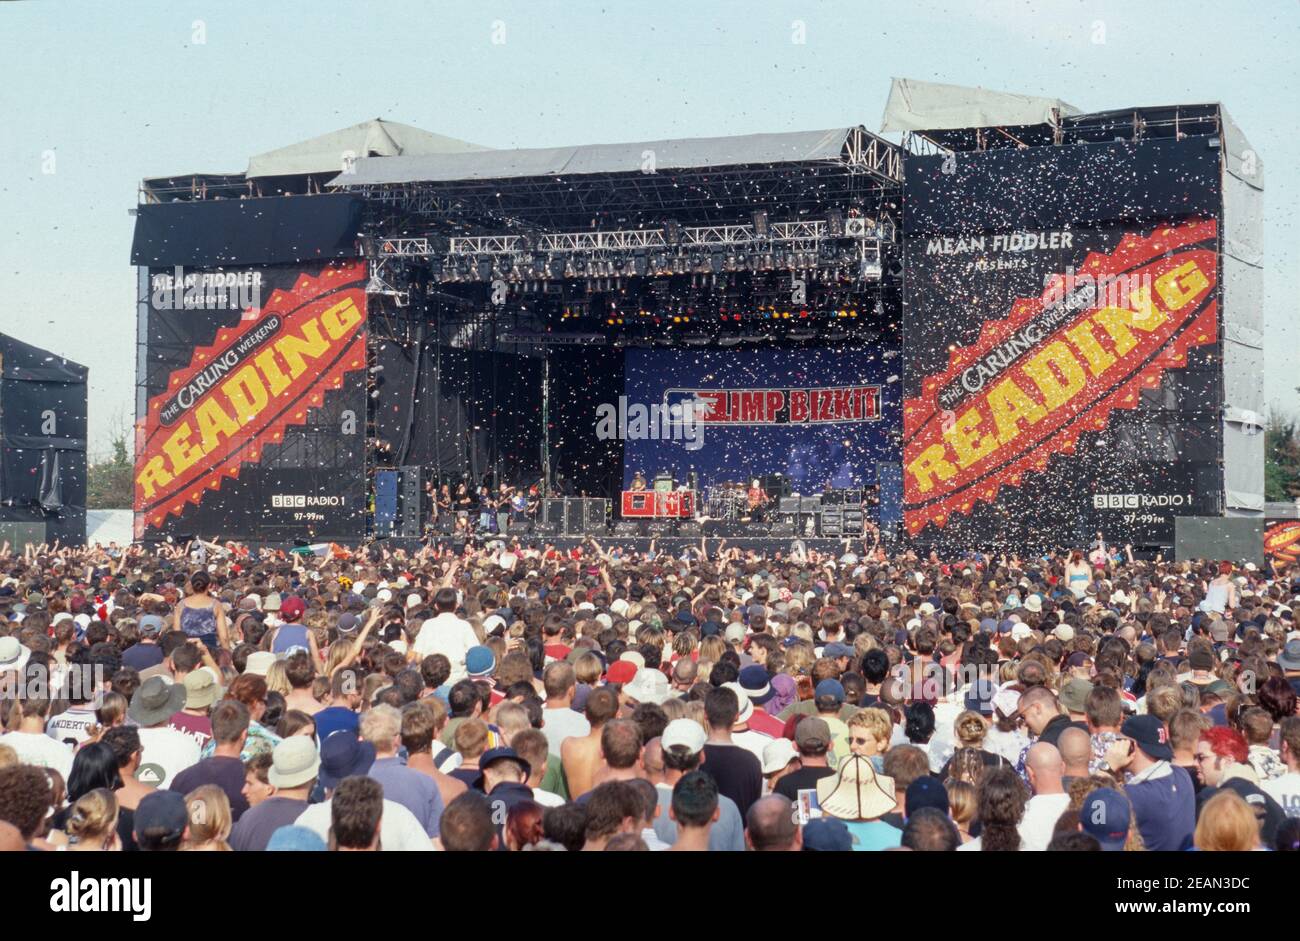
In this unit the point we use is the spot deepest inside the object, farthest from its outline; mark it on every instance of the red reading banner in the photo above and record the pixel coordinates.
(240, 393)
(1056, 367)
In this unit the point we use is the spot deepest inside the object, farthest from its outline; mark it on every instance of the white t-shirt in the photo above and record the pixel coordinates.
(751, 741)
(1284, 789)
(165, 753)
(37, 748)
(450, 636)
(399, 830)
(559, 724)
(1041, 813)
(547, 799)
(72, 723)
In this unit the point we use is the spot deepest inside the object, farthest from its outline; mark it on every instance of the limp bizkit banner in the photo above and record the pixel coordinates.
(1282, 544)
(1063, 375)
(822, 417)
(254, 424)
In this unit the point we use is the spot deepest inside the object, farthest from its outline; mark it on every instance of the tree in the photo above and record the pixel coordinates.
(1282, 459)
(110, 482)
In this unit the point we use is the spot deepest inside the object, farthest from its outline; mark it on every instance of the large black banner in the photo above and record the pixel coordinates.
(254, 405)
(1063, 370)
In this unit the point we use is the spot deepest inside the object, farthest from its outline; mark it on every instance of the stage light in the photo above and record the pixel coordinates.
(835, 223)
(853, 313)
(760, 223)
(673, 232)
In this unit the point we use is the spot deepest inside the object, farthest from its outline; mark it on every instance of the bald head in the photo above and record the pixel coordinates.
(770, 825)
(1075, 746)
(652, 758)
(1043, 762)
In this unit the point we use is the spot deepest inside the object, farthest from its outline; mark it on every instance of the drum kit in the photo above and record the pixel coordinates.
(729, 501)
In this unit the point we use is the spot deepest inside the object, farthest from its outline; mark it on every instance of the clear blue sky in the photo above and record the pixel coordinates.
(120, 90)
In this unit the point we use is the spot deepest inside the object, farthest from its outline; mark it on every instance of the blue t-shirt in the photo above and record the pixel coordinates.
(1164, 805)
(873, 835)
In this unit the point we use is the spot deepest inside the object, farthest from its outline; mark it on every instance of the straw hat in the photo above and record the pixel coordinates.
(855, 791)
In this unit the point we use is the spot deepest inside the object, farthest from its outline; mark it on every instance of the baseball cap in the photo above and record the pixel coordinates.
(1105, 815)
(151, 624)
(480, 661)
(162, 811)
(502, 754)
(757, 684)
(622, 671)
(295, 839)
(812, 731)
(827, 835)
(830, 689)
(687, 733)
(735, 633)
(347, 624)
(1150, 735)
(292, 608)
(925, 791)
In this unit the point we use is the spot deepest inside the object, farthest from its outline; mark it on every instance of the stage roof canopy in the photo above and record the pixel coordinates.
(693, 153)
(932, 106)
(377, 138)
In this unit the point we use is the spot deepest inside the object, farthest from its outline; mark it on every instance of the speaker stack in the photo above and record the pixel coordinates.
(412, 503)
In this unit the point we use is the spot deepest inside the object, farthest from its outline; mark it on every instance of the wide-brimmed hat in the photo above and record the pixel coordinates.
(156, 701)
(1289, 657)
(294, 762)
(201, 689)
(343, 755)
(855, 791)
(13, 655)
(649, 685)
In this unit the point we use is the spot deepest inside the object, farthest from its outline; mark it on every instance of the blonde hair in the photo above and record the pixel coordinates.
(674, 708)
(961, 801)
(380, 725)
(210, 818)
(276, 680)
(799, 658)
(587, 669)
(1227, 824)
(8, 757)
(970, 729)
(695, 712)
(877, 722)
(712, 648)
(339, 651)
(93, 818)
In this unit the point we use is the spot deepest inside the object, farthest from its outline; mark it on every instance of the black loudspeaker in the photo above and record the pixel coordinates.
(789, 505)
(776, 486)
(625, 528)
(596, 514)
(832, 521)
(691, 528)
(412, 503)
(553, 515)
(783, 527)
(854, 520)
(833, 498)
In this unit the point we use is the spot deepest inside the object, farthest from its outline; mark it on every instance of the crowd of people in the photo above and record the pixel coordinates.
(519, 697)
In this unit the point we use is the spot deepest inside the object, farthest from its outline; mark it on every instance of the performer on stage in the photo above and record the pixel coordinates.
(756, 499)
(638, 481)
